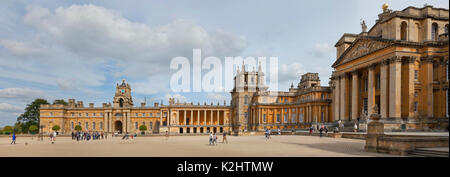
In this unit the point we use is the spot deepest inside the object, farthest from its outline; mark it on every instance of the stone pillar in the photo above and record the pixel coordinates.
(344, 98)
(336, 99)
(110, 121)
(355, 94)
(410, 86)
(384, 88)
(371, 89)
(160, 119)
(191, 119)
(204, 118)
(427, 64)
(395, 68)
(198, 117)
(184, 120)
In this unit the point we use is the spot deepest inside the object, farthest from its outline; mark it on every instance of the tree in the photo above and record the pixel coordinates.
(7, 130)
(61, 101)
(56, 128)
(31, 116)
(78, 128)
(142, 128)
(33, 129)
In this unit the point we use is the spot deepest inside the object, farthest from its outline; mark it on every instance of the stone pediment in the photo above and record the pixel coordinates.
(360, 48)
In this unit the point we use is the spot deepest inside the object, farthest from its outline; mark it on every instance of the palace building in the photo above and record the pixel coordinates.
(399, 69)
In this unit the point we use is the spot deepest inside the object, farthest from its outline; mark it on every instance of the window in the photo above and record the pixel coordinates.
(434, 31)
(151, 125)
(264, 118)
(71, 125)
(51, 113)
(265, 100)
(79, 114)
(416, 75)
(446, 28)
(246, 99)
(136, 114)
(294, 120)
(278, 118)
(73, 115)
(101, 125)
(87, 114)
(378, 81)
(417, 32)
(101, 114)
(285, 100)
(321, 117)
(403, 31)
(93, 125)
(93, 114)
(366, 85)
(151, 115)
(87, 125)
(136, 125)
(365, 104)
(416, 94)
(301, 116)
(286, 116)
(416, 105)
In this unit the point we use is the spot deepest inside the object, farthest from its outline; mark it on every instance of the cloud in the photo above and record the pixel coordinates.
(178, 98)
(21, 49)
(288, 72)
(217, 97)
(5, 107)
(321, 50)
(24, 94)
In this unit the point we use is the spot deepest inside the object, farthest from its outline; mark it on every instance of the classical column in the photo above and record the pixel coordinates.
(212, 118)
(204, 118)
(395, 68)
(218, 117)
(355, 94)
(198, 117)
(160, 119)
(184, 118)
(110, 121)
(191, 119)
(336, 99)
(427, 80)
(105, 121)
(384, 88)
(371, 89)
(409, 61)
(344, 97)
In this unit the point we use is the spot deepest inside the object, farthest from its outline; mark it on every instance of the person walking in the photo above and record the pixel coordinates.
(214, 139)
(210, 138)
(54, 136)
(320, 132)
(326, 130)
(167, 135)
(224, 137)
(279, 131)
(13, 138)
(355, 128)
(310, 130)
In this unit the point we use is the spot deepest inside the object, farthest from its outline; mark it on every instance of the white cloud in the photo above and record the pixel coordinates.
(24, 94)
(217, 97)
(322, 50)
(178, 98)
(21, 49)
(5, 107)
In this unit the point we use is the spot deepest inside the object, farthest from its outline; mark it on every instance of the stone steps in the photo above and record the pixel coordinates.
(427, 153)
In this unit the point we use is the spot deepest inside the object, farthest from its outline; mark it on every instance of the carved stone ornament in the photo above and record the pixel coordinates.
(362, 48)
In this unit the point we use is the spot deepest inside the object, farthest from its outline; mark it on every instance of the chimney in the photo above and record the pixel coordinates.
(71, 102)
(91, 105)
(156, 104)
(143, 104)
(104, 105)
(80, 104)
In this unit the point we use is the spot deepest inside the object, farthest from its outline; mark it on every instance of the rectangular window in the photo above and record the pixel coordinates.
(136, 125)
(71, 125)
(294, 120)
(101, 125)
(87, 126)
(87, 114)
(366, 85)
(286, 116)
(378, 81)
(151, 125)
(151, 115)
(51, 113)
(301, 118)
(321, 117)
(93, 125)
(94, 114)
(136, 114)
(264, 118)
(416, 75)
(278, 118)
(365, 101)
(416, 105)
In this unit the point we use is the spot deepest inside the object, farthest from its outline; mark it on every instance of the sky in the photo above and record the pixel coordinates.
(81, 49)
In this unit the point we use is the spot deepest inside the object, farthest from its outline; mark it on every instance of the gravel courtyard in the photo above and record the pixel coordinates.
(188, 146)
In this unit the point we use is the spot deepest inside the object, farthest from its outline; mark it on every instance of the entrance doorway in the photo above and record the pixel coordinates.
(181, 130)
(118, 126)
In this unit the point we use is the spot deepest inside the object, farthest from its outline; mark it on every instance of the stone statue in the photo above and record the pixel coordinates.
(375, 109)
(363, 26)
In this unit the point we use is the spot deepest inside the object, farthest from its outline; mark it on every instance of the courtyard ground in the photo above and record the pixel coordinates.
(188, 146)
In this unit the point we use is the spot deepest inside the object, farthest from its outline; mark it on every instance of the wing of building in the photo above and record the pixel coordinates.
(399, 69)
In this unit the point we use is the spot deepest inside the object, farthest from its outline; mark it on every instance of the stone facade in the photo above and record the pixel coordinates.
(399, 66)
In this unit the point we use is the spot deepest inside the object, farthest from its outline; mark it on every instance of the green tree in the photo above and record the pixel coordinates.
(142, 128)
(56, 128)
(33, 129)
(31, 116)
(7, 130)
(78, 128)
(61, 101)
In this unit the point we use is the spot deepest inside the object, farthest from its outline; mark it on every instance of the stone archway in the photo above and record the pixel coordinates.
(118, 126)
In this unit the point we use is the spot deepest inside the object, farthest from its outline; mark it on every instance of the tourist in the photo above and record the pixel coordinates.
(310, 130)
(356, 128)
(13, 138)
(326, 130)
(224, 137)
(54, 136)
(167, 135)
(320, 132)
(215, 139)
(51, 136)
(102, 135)
(279, 131)
(210, 138)
(73, 136)
(270, 132)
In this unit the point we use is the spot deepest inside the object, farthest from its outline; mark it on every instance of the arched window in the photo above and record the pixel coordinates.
(121, 102)
(434, 31)
(403, 31)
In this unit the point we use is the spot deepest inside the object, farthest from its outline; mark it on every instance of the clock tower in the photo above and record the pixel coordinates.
(123, 97)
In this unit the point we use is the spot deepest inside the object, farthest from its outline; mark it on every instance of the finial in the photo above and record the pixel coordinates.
(385, 6)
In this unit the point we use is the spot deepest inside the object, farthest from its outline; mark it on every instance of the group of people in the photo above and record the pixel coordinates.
(267, 133)
(320, 128)
(88, 136)
(213, 138)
